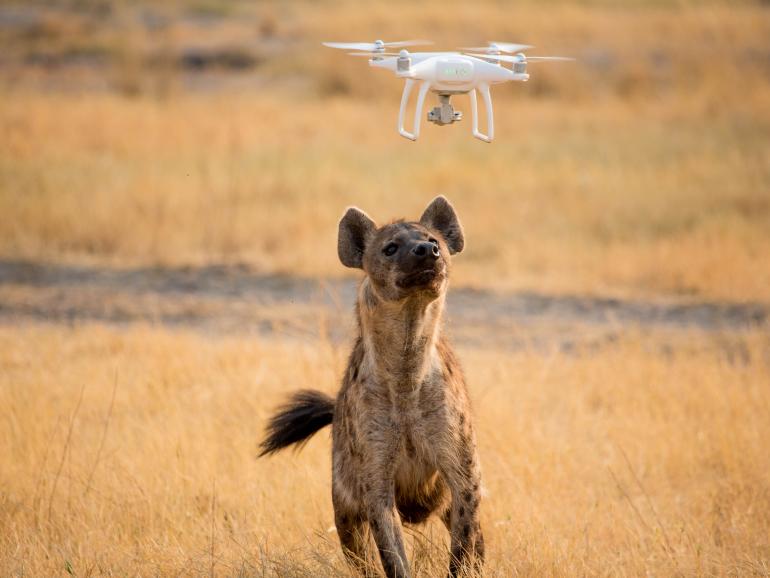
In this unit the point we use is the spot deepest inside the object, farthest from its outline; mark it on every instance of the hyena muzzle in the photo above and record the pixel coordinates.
(403, 445)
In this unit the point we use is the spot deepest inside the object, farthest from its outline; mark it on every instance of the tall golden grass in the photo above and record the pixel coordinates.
(641, 168)
(132, 452)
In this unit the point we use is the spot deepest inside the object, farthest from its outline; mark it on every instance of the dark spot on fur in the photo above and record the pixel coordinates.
(466, 530)
(467, 496)
(462, 511)
(367, 487)
(375, 525)
(449, 369)
(411, 452)
(355, 372)
(480, 544)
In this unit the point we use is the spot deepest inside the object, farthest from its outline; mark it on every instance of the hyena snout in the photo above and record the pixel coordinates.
(426, 251)
(421, 266)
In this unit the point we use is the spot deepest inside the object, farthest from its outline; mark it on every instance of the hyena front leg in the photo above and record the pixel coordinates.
(350, 517)
(384, 521)
(386, 528)
(462, 519)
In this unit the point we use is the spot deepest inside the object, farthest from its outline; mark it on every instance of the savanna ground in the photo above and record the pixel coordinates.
(171, 175)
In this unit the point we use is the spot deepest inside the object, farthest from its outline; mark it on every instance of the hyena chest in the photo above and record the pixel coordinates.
(415, 462)
(420, 489)
(420, 425)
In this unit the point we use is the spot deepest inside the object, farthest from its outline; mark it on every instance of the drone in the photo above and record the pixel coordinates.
(473, 70)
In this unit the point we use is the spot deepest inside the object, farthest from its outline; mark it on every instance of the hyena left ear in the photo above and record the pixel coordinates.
(356, 227)
(441, 217)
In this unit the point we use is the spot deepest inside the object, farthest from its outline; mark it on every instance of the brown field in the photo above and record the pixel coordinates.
(171, 176)
(641, 169)
(131, 452)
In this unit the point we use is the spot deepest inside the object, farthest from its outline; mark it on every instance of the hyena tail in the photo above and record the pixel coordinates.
(296, 421)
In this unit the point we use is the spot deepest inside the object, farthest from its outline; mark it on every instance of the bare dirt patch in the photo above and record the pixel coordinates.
(237, 299)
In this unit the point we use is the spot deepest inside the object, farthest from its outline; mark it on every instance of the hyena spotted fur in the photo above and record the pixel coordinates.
(403, 441)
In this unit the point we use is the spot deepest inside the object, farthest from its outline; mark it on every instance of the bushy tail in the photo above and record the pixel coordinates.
(304, 414)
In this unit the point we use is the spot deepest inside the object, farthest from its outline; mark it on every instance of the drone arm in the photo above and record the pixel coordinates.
(410, 82)
(484, 89)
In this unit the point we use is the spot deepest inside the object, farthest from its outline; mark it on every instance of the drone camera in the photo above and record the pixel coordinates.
(444, 114)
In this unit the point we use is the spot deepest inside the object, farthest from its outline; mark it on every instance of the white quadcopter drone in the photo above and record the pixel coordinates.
(447, 74)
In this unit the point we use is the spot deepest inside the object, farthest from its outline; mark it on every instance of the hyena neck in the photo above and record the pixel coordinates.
(400, 337)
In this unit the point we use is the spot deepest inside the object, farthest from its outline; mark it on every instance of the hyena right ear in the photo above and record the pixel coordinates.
(440, 216)
(355, 229)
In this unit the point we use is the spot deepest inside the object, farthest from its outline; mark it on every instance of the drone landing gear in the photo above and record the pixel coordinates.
(445, 113)
(484, 90)
(410, 82)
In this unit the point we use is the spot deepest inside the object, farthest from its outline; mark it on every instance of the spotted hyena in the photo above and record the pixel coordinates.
(403, 441)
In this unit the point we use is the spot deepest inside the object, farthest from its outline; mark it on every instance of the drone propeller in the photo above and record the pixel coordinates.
(549, 59)
(510, 47)
(516, 59)
(409, 43)
(373, 54)
(499, 47)
(376, 46)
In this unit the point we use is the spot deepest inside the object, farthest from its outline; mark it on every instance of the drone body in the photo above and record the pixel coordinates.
(447, 74)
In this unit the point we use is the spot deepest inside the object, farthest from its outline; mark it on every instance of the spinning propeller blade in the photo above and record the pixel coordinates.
(409, 43)
(510, 47)
(373, 54)
(369, 46)
(351, 45)
(517, 59)
(502, 57)
(473, 48)
(376, 46)
(549, 59)
(493, 47)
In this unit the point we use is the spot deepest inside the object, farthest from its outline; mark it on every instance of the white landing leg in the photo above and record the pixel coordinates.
(484, 89)
(410, 82)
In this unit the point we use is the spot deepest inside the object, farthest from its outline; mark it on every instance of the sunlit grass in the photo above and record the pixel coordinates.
(650, 198)
(641, 168)
(635, 458)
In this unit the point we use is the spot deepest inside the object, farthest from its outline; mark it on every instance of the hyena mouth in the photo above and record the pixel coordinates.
(420, 278)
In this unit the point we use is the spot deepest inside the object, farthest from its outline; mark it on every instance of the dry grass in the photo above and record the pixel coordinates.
(131, 452)
(643, 168)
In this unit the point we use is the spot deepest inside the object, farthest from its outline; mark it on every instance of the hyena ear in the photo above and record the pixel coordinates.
(441, 217)
(356, 227)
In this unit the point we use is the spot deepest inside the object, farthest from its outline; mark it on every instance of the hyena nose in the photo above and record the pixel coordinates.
(426, 249)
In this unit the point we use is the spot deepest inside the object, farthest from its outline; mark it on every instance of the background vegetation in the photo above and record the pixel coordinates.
(201, 133)
(192, 133)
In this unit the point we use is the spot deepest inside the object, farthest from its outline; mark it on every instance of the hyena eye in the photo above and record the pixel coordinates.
(390, 249)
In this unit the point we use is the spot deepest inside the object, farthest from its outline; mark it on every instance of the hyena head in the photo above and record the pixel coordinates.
(403, 259)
